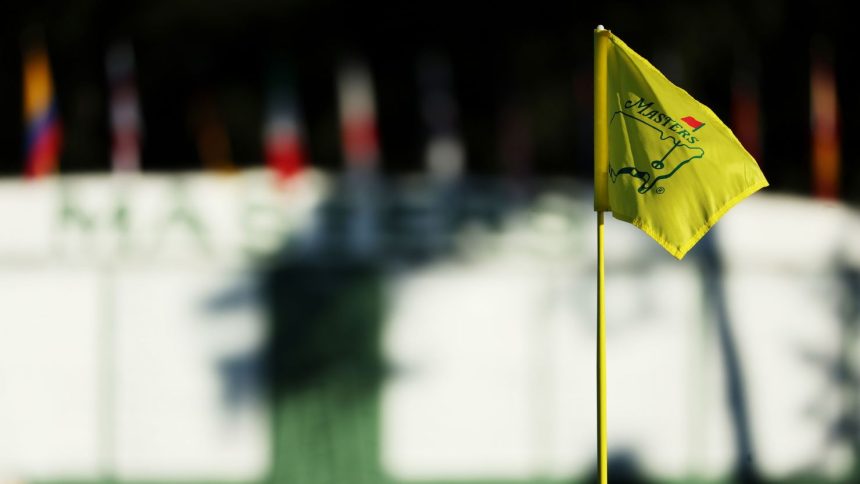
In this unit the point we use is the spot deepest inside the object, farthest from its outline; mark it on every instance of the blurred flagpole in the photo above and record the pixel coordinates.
(601, 204)
(444, 153)
(126, 138)
(360, 142)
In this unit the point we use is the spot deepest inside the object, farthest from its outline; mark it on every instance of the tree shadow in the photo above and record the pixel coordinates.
(326, 301)
(744, 468)
(842, 376)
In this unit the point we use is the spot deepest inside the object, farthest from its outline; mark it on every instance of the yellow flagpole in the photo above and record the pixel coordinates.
(601, 128)
(601, 204)
(601, 355)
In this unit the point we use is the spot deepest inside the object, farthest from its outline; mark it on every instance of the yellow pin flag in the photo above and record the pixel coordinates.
(663, 162)
(673, 167)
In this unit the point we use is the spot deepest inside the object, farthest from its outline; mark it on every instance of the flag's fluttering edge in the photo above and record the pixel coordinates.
(674, 168)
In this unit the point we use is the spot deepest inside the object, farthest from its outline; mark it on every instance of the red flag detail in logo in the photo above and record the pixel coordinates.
(693, 122)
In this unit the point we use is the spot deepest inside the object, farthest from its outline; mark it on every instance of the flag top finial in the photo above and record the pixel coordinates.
(600, 27)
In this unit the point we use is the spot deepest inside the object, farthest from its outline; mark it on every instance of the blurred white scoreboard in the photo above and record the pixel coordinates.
(109, 340)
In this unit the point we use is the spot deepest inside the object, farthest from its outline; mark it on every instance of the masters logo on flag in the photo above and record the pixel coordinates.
(677, 149)
(673, 167)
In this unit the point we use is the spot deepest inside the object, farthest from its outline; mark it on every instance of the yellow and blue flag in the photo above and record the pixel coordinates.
(673, 167)
(41, 117)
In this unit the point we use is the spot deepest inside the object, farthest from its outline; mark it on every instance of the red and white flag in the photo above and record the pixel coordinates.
(125, 120)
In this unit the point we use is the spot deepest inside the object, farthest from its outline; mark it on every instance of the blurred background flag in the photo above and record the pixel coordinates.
(444, 153)
(41, 116)
(125, 118)
(746, 112)
(825, 125)
(283, 133)
(357, 107)
(672, 181)
(213, 139)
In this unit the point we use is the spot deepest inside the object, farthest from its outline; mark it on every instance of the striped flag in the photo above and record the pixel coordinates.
(283, 137)
(124, 109)
(357, 106)
(41, 116)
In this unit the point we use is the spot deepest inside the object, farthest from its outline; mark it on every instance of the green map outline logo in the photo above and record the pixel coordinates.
(650, 178)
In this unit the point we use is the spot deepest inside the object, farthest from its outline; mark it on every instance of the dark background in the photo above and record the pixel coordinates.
(533, 58)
